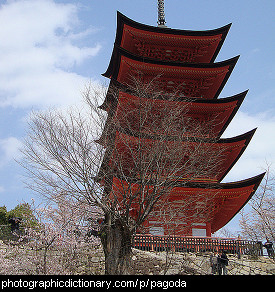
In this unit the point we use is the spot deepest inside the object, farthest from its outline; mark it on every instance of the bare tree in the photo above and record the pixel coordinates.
(259, 222)
(149, 145)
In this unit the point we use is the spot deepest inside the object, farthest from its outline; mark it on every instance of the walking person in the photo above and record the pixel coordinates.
(223, 263)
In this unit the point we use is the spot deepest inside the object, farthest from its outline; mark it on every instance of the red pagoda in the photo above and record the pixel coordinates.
(185, 60)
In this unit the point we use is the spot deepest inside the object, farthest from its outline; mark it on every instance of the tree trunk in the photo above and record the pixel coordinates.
(116, 240)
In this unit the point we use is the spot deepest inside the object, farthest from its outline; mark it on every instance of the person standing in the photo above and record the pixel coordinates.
(214, 263)
(223, 259)
(269, 248)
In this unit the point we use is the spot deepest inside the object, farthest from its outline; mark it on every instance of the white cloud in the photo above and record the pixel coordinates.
(39, 52)
(9, 149)
(260, 149)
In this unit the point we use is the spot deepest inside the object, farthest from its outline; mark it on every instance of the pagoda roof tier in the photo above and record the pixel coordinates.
(218, 203)
(215, 203)
(169, 44)
(206, 118)
(182, 79)
(226, 152)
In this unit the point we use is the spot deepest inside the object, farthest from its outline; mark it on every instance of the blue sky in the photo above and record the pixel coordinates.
(49, 49)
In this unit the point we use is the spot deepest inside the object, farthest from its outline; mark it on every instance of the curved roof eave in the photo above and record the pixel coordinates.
(122, 19)
(256, 180)
(118, 52)
(237, 97)
(246, 136)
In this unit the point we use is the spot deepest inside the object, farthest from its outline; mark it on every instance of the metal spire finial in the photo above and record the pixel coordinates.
(161, 15)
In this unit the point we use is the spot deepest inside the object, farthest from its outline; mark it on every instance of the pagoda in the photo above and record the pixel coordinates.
(185, 60)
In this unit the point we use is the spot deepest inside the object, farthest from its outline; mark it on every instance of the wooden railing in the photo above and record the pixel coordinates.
(181, 243)
(196, 244)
